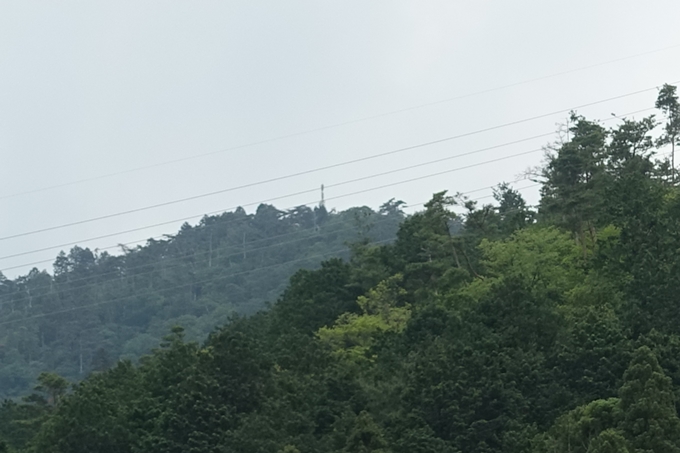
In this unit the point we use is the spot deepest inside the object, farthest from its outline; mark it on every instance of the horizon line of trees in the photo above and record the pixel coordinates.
(505, 330)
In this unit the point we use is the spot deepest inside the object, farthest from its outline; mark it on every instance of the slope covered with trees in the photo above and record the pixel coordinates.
(555, 330)
(98, 307)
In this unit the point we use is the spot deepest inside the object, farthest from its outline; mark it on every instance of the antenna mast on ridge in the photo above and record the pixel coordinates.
(322, 203)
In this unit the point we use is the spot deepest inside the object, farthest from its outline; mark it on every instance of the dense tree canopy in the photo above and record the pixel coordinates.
(502, 330)
(97, 307)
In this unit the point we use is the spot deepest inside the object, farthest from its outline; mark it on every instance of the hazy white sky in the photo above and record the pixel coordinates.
(89, 89)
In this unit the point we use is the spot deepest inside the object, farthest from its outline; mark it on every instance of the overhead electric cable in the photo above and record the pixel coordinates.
(467, 134)
(313, 190)
(259, 202)
(422, 164)
(62, 291)
(171, 288)
(345, 123)
(194, 254)
(239, 252)
(238, 247)
(334, 197)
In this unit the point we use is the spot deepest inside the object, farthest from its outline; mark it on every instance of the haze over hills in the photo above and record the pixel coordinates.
(96, 308)
(507, 329)
(172, 280)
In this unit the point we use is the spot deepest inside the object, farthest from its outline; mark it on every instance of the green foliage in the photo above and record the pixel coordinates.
(98, 308)
(53, 385)
(609, 441)
(353, 334)
(667, 102)
(365, 436)
(494, 331)
(545, 260)
(574, 179)
(648, 402)
(316, 298)
(642, 419)
(577, 430)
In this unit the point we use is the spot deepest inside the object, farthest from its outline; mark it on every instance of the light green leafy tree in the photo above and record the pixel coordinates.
(353, 334)
(544, 259)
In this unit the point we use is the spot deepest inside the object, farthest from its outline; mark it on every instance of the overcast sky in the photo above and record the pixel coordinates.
(97, 90)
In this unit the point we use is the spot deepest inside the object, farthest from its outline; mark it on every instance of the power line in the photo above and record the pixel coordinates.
(363, 159)
(193, 255)
(345, 123)
(330, 198)
(218, 249)
(222, 277)
(222, 224)
(105, 302)
(327, 186)
(332, 185)
(217, 278)
(279, 264)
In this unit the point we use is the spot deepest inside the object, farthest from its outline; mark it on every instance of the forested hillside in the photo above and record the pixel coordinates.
(96, 308)
(508, 329)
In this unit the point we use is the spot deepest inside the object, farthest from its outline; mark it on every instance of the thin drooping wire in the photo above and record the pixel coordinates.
(97, 327)
(420, 178)
(172, 288)
(331, 198)
(337, 125)
(227, 247)
(298, 193)
(238, 252)
(156, 291)
(363, 159)
(42, 315)
(375, 175)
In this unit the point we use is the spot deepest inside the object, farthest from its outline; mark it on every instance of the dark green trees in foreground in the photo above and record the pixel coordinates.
(505, 330)
(643, 418)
